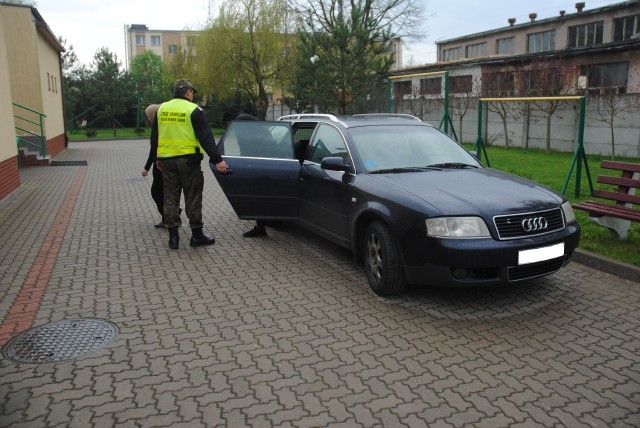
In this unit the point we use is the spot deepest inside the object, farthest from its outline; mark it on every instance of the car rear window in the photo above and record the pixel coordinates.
(257, 139)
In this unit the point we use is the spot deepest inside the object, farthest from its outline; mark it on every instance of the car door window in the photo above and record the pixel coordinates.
(328, 141)
(258, 139)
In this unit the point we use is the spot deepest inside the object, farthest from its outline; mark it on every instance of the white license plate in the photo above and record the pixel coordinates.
(535, 255)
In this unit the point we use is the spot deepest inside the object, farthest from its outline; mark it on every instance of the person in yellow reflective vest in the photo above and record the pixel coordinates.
(177, 136)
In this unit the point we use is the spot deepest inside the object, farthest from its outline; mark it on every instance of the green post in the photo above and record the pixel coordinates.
(389, 95)
(43, 139)
(138, 110)
(479, 145)
(446, 102)
(579, 155)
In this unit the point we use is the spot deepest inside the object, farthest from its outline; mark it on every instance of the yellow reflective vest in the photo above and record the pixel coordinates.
(176, 136)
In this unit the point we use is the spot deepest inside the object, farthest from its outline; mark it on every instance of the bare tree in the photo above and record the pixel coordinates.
(544, 78)
(463, 94)
(423, 101)
(612, 101)
(500, 84)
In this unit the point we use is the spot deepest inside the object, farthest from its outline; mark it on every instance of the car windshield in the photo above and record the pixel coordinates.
(400, 148)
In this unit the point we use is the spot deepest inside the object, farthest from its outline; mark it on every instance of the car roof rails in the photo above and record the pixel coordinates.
(309, 116)
(398, 115)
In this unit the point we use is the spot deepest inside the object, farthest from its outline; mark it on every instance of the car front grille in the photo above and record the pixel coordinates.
(519, 273)
(524, 225)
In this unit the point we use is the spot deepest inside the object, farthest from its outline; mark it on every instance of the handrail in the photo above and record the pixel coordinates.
(38, 132)
(71, 122)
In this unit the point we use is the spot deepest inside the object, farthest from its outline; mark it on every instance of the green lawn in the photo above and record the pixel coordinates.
(548, 169)
(121, 133)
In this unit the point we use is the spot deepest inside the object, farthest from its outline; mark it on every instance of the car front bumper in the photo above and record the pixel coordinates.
(469, 262)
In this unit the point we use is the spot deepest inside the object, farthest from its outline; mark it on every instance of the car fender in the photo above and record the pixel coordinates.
(362, 216)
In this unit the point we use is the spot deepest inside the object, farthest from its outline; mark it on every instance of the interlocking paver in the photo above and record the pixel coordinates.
(283, 331)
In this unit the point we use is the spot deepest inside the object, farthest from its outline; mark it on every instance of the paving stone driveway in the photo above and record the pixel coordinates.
(284, 331)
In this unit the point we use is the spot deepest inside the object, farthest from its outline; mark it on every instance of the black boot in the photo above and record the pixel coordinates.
(174, 238)
(258, 230)
(200, 238)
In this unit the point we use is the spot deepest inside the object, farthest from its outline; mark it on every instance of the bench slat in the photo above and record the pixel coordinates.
(619, 181)
(620, 166)
(599, 210)
(617, 196)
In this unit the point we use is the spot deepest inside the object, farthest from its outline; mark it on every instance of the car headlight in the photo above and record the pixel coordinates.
(457, 227)
(569, 215)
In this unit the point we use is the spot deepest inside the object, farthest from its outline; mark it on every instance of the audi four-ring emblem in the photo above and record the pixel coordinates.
(534, 224)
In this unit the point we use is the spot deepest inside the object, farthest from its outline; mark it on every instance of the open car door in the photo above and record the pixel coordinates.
(263, 183)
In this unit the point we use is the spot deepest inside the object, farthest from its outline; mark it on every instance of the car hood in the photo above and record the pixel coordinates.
(473, 191)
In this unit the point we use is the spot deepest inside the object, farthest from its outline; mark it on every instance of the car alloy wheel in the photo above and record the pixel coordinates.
(382, 264)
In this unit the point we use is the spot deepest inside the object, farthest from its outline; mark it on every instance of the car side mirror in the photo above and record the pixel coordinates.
(334, 164)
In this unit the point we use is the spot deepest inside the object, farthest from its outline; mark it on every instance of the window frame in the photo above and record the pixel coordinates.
(462, 84)
(402, 88)
(452, 54)
(476, 49)
(511, 48)
(322, 129)
(603, 74)
(624, 32)
(542, 41)
(431, 86)
(591, 30)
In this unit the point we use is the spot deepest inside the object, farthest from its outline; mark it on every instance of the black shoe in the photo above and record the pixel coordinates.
(159, 225)
(200, 238)
(174, 238)
(255, 232)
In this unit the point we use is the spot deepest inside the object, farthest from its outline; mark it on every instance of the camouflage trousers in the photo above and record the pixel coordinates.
(182, 174)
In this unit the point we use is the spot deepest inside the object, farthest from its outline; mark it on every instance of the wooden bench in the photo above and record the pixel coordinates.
(616, 217)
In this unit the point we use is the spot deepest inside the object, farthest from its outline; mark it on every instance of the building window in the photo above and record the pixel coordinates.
(402, 88)
(461, 84)
(140, 40)
(475, 50)
(541, 42)
(606, 76)
(498, 84)
(506, 46)
(173, 49)
(191, 41)
(452, 54)
(624, 28)
(586, 35)
(155, 40)
(431, 86)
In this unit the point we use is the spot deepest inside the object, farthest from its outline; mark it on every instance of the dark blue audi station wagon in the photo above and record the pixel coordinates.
(410, 202)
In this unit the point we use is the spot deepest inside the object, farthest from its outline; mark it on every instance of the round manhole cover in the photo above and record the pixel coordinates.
(61, 341)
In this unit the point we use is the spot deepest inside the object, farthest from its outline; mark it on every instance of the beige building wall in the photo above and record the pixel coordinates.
(8, 146)
(26, 89)
(51, 89)
(167, 38)
(521, 30)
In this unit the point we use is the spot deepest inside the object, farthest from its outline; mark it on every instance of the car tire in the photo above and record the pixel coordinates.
(382, 261)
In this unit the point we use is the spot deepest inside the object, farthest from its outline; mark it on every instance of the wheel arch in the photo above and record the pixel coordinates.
(372, 212)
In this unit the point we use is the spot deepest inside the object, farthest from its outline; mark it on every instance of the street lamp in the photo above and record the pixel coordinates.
(313, 60)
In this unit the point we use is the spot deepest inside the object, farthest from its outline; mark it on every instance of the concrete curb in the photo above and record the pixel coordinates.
(605, 264)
